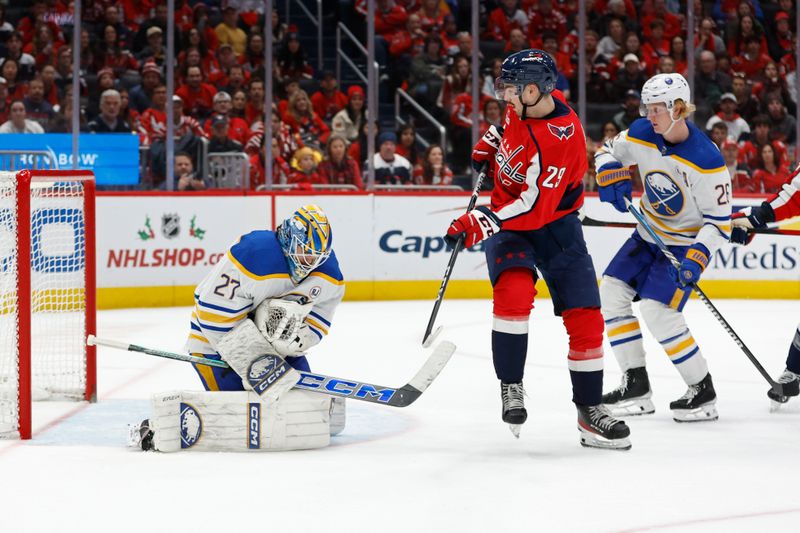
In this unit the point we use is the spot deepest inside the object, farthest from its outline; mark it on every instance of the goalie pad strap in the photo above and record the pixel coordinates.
(254, 359)
(239, 421)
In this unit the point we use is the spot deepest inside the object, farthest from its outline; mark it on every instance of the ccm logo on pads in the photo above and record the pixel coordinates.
(254, 425)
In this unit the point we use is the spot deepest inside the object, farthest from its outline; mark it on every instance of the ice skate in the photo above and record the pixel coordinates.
(141, 435)
(598, 429)
(791, 386)
(632, 397)
(698, 404)
(514, 413)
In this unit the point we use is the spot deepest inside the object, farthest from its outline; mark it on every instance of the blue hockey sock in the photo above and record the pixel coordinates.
(299, 363)
(508, 353)
(793, 360)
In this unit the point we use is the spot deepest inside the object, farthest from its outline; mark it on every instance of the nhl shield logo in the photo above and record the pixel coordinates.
(170, 225)
(562, 133)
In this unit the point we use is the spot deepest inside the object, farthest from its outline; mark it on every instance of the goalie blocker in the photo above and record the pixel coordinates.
(238, 421)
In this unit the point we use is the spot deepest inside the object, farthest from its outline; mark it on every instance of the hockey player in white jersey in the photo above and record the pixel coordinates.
(686, 200)
(782, 206)
(274, 293)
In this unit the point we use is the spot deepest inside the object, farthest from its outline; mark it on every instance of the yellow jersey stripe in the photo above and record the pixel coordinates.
(640, 141)
(624, 329)
(207, 373)
(317, 325)
(198, 338)
(676, 298)
(653, 218)
(679, 347)
(250, 274)
(701, 170)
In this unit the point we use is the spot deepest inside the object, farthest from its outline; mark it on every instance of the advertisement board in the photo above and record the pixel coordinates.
(157, 248)
(114, 157)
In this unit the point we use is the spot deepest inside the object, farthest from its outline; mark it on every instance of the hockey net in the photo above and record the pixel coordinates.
(47, 292)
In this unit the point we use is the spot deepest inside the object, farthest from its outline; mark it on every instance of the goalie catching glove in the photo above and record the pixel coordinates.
(475, 225)
(281, 321)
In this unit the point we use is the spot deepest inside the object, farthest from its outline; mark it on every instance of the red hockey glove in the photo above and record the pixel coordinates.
(476, 225)
(486, 147)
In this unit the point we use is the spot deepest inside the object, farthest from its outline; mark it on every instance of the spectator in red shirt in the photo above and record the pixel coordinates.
(254, 110)
(508, 16)
(280, 168)
(292, 63)
(677, 51)
(749, 150)
(329, 100)
(389, 18)
(194, 39)
(741, 178)
(407, 143)
(781, 41)
(111, 55)
(238, 129)
(563, 61)
(339, 167)
(253, 58)
(546, 18)
(198, 97)
(771, 84)
(239, 101)
(305, 122)
(304, 163)
(432, 14)
(656, 46)
(706, 39)
(751, 61)
(433, 170)
(409, 40)
(769, 172)
(48, 77)
(672, 22)
(517, 42)
(747, 27)
(16, 91)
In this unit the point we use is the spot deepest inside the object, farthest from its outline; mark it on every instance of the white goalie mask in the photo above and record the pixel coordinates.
(664, 89)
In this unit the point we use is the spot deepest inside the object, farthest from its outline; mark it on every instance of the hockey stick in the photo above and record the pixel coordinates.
(592, 222)
(428, 339)
(777, 388)
(344, 388)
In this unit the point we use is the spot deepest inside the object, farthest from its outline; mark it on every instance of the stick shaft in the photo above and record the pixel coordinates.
(453, 256)
(593, 222)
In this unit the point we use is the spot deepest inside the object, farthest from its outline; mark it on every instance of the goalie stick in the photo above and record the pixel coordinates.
(402, 396)
(778, 388)
(428, 339)
(592, 222)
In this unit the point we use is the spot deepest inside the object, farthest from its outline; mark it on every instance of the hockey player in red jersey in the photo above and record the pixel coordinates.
(532, 225)
(782, 206)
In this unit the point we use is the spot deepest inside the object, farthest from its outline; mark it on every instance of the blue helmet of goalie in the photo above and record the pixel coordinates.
(305, 238)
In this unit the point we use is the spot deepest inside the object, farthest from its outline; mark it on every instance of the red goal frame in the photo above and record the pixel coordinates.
(25, 179)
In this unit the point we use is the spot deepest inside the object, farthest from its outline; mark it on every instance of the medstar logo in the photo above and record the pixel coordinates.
(195, 231)
(147, 233)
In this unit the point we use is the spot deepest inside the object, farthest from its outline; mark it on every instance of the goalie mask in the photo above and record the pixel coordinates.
(305, 238)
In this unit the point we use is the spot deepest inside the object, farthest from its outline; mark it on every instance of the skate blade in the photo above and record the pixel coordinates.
(134, 436)
(704, 413)
(775, 406)
(592, 440)
(515, 429)
(641, 406)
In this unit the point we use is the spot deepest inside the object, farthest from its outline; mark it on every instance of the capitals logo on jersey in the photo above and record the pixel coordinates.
(509, 165)
(666, 197)
(561, 133)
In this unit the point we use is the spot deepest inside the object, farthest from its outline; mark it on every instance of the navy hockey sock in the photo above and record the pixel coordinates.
(508, 353)
(587, 387)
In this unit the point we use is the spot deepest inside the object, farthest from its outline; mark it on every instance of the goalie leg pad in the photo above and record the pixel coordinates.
(239, 421)
(254, 359)
(338, 415)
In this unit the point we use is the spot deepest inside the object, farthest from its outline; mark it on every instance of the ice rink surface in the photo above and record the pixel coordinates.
(446, 463)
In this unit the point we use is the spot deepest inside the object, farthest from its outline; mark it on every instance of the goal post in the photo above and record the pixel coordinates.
(47, 292)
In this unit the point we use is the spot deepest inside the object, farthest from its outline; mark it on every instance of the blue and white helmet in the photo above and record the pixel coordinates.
(665, 89)
(527, 67)
(305, 238)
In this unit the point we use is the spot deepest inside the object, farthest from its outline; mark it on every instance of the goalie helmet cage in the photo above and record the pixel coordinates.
(47, 292)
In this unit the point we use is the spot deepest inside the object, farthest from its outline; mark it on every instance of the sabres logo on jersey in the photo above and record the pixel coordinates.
(666, 197)
(562, 133)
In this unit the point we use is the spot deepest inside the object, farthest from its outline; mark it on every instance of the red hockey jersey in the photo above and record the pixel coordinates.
(539, 168)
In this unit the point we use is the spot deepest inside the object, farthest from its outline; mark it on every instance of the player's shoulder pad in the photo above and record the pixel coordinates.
(258, 253)
(642, 131)
(330, 270)
(699, 151)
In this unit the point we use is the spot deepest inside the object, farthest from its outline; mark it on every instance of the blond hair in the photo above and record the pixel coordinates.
(684, 109)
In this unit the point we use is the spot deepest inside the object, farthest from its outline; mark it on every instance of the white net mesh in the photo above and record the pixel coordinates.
(58, 293)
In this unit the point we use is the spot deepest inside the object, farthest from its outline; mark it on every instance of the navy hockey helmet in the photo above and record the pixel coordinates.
(527, 67)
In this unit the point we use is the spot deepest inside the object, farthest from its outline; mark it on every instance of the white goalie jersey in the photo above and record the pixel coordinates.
(255, 270)
(687, 186)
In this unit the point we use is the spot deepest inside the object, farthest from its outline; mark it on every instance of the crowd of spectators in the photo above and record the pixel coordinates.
(745, 80)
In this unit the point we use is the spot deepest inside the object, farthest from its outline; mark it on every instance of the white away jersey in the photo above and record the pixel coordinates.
(687, 186)
(254, 270)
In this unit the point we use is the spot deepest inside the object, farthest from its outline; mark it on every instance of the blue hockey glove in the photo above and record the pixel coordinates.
(614, 185)
(692, 266)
